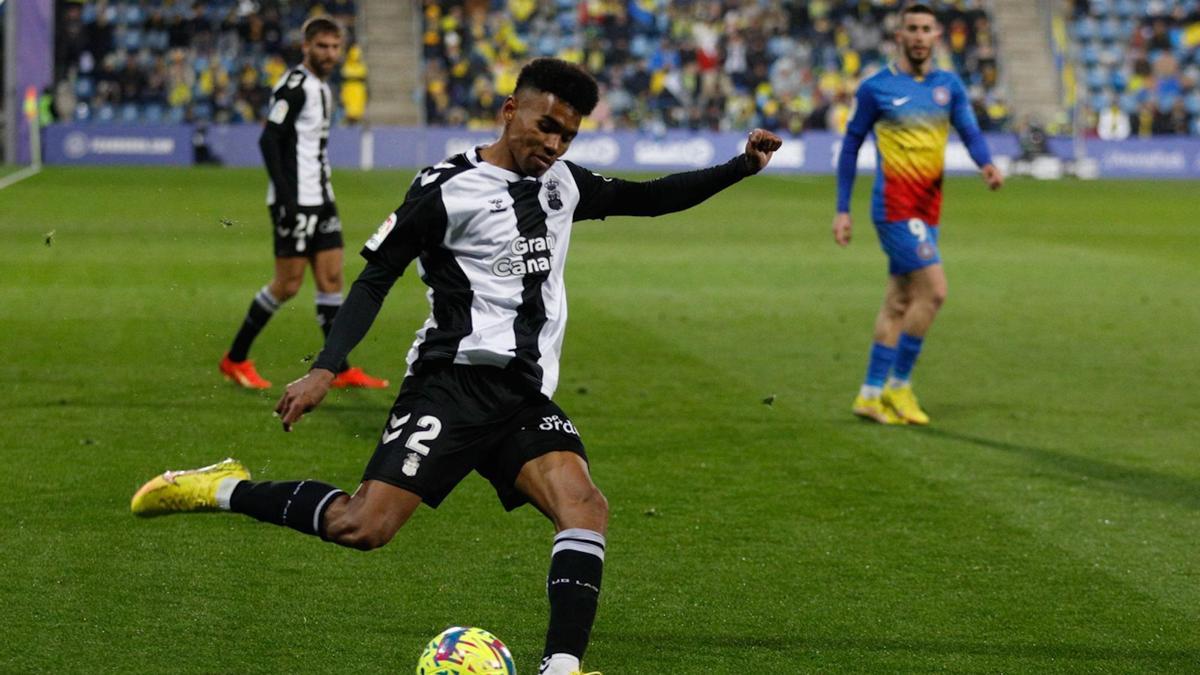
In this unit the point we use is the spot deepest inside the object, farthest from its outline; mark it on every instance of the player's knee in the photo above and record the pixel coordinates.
(360, 536)
(937, 297)
(285, 289)
(598, 504)
(331, 283)
(590, 507)
(290, 288)
(347, 530)
(368, 540)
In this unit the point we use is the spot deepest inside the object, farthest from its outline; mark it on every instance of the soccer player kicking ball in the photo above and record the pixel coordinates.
(304, 216)
(910, 106)
(490, 230)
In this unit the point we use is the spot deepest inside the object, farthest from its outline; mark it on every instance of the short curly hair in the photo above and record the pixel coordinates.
(567, 81)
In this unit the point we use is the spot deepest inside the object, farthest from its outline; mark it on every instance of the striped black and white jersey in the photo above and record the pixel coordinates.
(491, 245)
(295, 139)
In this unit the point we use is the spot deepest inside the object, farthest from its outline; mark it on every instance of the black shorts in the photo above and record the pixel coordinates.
(314, 228)
(457, 418)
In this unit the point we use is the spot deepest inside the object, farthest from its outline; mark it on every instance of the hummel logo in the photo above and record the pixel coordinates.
(428, 178)
(900, 101)
(394, 427)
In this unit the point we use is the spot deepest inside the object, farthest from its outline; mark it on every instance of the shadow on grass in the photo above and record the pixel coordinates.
(922, 647)
(1151, 485)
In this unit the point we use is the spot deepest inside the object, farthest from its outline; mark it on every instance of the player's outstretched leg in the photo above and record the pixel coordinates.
(226, 486)
(365, 521)
(559, 485)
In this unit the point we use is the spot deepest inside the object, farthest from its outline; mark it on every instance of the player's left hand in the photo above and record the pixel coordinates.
(992, 176)
(761, 145)
(302, 396)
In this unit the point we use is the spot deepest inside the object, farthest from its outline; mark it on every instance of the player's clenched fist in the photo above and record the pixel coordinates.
(302, 396)
(761, 145)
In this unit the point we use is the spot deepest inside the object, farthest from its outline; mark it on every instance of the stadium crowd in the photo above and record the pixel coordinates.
(139, 61)
(697, 64)
(1140, 66)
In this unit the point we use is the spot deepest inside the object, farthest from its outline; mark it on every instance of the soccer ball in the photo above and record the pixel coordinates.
(461, 651)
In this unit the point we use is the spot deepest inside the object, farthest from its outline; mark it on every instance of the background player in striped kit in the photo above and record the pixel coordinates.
(490, 230)
(304, 217)
(910, 106)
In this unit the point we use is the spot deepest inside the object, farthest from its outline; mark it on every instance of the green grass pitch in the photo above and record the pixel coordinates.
(1047, 522)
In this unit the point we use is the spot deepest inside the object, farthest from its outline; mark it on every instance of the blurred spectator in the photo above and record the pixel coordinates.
(1113, 124)
(691, 64)
(1143, 65)
(1032, 140)
(179, 60)
(354, 85)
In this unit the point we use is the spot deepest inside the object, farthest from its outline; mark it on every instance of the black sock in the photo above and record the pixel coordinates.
(299, 505)
(574, 589)
(328, 305)
(260, 312)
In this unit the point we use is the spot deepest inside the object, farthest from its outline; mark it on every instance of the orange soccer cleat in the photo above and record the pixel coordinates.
(242, 373)
(355, 377)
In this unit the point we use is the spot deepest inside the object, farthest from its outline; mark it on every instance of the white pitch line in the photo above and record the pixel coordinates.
(14, 178)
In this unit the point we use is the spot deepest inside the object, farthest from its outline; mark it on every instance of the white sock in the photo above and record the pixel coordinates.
(225, 491)
(870, 391)
(559, 664)
(896, 383)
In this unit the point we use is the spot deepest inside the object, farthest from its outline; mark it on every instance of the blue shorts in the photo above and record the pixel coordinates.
(909, 244)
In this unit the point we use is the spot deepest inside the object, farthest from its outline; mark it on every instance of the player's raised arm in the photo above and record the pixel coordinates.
(862, 119)
(601, 196)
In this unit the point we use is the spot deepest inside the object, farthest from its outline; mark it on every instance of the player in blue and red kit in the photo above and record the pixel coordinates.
(910, 106)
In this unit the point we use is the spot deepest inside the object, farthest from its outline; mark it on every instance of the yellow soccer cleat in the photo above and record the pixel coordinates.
(874, 409)
(191, 490)
(904, 402)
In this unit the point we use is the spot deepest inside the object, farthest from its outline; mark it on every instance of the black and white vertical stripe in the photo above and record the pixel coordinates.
(306, 155)
(493, 248)
(323, 145)
(531, 313)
